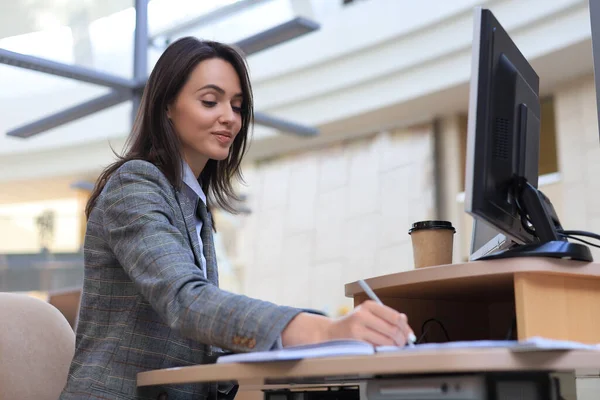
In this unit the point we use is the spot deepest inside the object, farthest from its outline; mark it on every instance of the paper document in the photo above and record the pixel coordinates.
(338, 348)
(531, 344)
(543, 344)
(334, 348)
(450, 345)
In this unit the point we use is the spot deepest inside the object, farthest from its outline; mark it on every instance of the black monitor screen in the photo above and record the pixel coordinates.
(503, 147)
(503, 130)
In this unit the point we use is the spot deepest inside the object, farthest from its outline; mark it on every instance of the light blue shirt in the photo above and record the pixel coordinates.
(194, 192)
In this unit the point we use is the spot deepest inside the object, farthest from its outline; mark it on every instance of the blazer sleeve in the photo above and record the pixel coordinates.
(138, 222)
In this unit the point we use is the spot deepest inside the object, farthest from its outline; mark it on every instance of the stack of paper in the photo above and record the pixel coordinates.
(340, 348)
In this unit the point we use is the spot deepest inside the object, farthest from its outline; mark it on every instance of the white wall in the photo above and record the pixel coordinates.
(324, 218)
(578, 143)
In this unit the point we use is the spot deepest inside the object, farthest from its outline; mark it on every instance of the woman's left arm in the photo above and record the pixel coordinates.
(137, 221)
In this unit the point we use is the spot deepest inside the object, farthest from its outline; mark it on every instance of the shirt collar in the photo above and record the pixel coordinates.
(192, 182)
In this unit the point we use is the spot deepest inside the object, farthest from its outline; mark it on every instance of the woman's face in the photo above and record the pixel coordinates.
(206, 113)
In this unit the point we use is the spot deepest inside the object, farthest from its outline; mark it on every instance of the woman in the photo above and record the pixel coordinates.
(151, 298)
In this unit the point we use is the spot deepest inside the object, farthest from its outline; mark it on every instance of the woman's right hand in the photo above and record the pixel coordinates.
(371, 322)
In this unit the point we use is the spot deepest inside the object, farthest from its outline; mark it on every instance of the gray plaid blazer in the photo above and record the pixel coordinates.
(146, 304)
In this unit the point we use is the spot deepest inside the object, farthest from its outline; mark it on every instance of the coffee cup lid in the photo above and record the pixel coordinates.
(421, 225)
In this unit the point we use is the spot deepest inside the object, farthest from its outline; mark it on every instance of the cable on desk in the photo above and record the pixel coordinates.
(573, 235)
(591, 235)
(579, 240)
(424, 332)
(511, 329)
(567, 234)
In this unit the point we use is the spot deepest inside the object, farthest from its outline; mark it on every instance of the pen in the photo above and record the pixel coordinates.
(411, 338)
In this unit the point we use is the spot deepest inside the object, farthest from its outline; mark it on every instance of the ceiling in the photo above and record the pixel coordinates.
(25, 16)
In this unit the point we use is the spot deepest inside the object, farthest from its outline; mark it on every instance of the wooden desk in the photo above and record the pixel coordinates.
(557, 299)
(332, 371)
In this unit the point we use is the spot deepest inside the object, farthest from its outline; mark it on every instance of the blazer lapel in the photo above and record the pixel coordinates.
(189, 217)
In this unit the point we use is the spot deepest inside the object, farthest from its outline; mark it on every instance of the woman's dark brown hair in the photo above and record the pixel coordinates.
(153, 137)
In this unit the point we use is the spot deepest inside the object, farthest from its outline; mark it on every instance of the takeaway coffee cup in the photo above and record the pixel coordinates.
(432, 243)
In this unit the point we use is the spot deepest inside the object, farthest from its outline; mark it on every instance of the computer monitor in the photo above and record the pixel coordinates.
(503, 148)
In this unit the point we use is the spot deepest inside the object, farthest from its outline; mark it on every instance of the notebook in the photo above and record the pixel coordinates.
(344, 348)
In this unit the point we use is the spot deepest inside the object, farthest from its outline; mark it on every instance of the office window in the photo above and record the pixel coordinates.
(548, 162)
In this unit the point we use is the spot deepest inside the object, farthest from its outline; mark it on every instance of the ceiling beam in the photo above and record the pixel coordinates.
(70, 114)
(140, 54)
(276, 35)
(131, 89)
(75, 72)
(284, 125)
(82, 185)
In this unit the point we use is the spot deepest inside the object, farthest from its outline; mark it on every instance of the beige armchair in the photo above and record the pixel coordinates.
(36, 348)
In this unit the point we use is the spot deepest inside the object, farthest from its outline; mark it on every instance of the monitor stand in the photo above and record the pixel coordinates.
(553, 249)
(542, 216)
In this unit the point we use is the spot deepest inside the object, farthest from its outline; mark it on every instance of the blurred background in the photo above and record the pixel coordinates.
(361, 129)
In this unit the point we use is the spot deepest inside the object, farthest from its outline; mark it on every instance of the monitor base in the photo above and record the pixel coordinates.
(553, 249)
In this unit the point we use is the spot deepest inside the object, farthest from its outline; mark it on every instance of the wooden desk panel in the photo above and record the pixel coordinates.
(553, 298)
(473, 280)
(353, 368)
(558, 306)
